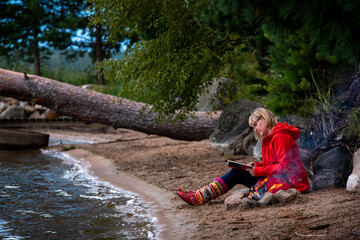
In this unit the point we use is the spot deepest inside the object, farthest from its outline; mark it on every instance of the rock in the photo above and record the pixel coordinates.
(40, 108)
(51, 114)
(257, 153)
(268, 199)
(294, 120)
(23, 110)
(250, 143)
(235, 199)
(14, 112)
(209, 100)
(353, 182)
(35, 115)
(332, 169)
(244, 190)
(9, 101)
(247, 203)
(23, 104)
(42, 116)
(244, 143)
(285, 196)
(294, 192)
(3, 106)
(29, 109)
(233, 127)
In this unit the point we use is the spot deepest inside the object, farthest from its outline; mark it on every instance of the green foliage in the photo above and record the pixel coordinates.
(68, 148)
(172, 68)
(306, 35)
(243, 68)
(292, 82)
(352, 129)
(77, 78)
(65, 74)
(281, 53)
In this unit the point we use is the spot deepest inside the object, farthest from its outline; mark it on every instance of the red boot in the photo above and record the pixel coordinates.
(187, 196)
(205, 194)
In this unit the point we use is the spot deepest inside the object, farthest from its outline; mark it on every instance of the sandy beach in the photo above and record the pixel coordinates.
(154, 167)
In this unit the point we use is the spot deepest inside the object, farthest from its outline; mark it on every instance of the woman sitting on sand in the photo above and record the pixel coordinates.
(281, 167)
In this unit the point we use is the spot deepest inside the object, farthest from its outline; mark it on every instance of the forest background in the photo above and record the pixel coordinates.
(287, 55)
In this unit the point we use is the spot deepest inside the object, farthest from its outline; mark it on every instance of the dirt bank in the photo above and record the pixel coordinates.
(165, 164)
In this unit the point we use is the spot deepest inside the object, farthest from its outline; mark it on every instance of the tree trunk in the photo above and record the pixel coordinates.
(37, 54)
(90, 106)
(99, 54)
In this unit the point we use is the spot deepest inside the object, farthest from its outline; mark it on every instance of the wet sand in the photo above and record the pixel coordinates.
(170, 225)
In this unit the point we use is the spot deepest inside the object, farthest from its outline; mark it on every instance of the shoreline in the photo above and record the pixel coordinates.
(168, 224)
(154, 166)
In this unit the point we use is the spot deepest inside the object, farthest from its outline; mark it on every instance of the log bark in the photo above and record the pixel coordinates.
(94, 107)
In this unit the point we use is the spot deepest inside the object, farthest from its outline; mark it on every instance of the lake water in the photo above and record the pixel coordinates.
(48, 195)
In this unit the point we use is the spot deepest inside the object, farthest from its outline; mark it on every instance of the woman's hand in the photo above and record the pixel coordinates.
(251, 171)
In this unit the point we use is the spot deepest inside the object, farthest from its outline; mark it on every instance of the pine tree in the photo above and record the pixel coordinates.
(31, 28)
(308, 42)
(331, 26)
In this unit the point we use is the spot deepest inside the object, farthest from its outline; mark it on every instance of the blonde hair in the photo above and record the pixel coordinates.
(258, 113)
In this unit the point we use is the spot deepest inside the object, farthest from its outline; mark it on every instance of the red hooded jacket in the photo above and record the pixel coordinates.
(281, 164)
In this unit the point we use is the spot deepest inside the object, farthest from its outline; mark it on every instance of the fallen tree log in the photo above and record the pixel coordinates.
(94, 107)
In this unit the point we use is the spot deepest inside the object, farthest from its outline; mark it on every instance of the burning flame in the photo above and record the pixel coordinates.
(254, 193)
(275, 186)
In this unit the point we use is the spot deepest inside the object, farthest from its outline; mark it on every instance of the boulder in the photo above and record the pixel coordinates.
(294, 120)
(29, 109)
(37, 115)
(235, 199)
(13, 109)
(3, 106)
(14, 112)
(247, 203)
(285, 196)
(268, 199)
(23, 104)
(40, 108)
(212, 98)
(233, 128)
(240, 198)
(353, 182)
(332, 168)
(257, 152)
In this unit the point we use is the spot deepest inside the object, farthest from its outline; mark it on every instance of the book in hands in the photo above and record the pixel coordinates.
(233, 164)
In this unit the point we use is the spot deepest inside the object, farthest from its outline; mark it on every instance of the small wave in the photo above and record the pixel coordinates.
(132, 210)
(62, 193)
(5, 232)
(35, 213)
(11, 187)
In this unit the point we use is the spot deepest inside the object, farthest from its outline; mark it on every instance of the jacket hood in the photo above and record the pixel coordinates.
(292, 131)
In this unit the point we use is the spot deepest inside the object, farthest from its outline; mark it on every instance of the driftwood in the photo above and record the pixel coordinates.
(94, 107)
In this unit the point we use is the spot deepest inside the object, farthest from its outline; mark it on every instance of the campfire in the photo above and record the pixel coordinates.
(275, 186)
(259, 190)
